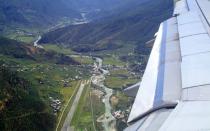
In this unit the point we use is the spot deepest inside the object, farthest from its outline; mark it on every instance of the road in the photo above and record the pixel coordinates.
(66, 125)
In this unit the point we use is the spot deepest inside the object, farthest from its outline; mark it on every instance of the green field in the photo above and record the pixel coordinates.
(58, 49)
(113, 61)
(119, 82)
(48, 79)
(82, 117)
(27, 35)
(24, 38)
(119, 79)
(89, 109)
(83, 60)
(67, 51)
(68, 98)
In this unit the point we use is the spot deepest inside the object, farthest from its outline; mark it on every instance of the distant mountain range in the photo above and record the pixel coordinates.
(136, 22)
(33, 13)
(45, 13)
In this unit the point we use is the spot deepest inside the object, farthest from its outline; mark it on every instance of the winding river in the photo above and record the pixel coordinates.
(108, 121)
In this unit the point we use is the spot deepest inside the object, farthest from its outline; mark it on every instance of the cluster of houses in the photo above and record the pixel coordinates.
(121, 114)
(72, 79)
(66, 83)
(109, 66)
(22, 69)
(23, 32)
(55, 104)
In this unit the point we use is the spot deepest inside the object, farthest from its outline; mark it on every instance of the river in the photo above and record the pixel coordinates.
(108, 121)
(36, 43)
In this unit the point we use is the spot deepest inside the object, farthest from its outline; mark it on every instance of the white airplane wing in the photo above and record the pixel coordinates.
(174, 94)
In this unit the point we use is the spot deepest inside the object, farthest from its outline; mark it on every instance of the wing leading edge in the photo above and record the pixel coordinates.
(177, 75)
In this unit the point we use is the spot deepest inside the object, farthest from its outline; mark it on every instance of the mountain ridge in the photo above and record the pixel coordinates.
(130, 25)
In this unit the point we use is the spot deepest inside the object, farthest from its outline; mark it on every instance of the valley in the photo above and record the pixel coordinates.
(72, 60)
(105, 120)
(60, 81)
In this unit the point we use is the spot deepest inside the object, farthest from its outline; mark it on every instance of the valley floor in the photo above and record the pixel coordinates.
(82, 97)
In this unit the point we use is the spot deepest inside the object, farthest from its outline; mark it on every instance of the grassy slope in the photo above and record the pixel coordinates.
(67, 51)
(21, 107)
(113, 61)
(21, 50)
(50, 75)
(84, 60)
(59, 49)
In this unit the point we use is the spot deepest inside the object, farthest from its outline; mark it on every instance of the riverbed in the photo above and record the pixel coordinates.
(107, 119)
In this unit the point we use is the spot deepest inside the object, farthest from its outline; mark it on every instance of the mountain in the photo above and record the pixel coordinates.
(135, 23)
(22, 105)
(33, 13)
(44, 13)
(33, 16)
(21, 108)
(21, 50)
(105, 5)
(32, 78)
(95, 4)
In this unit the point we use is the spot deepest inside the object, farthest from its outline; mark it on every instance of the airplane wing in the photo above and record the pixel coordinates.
(174, 94)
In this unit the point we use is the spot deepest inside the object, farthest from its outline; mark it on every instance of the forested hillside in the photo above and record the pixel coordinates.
(21, 107)
(24, 102)
(23, 51)
(136, 23)
(34, 12)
